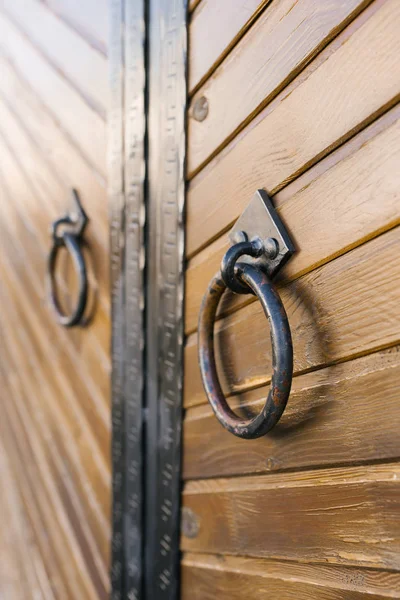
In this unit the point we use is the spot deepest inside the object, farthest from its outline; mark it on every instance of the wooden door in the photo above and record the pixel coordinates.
(55, 408)
(298, 98)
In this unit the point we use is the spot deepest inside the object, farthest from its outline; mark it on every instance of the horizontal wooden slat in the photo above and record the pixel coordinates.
(207, 577)
(342, 402)
(348, 85)
(345, 516)
(286, 36)
(350, 196)
(59, 97)
(346, 308)
(89, 18)
(208, 41)
(84, 67)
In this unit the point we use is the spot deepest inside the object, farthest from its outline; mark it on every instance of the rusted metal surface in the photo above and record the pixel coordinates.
(282, 354)
(73, 226)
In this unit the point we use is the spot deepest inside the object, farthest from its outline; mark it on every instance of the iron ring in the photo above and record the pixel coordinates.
(282, 354)
(71, 242)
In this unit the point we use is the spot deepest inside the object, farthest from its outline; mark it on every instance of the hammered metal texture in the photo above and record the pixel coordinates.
(167, 107)
(127, 175)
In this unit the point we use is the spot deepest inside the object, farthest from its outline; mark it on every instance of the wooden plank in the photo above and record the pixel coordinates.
(209, 43)
(283, 40)
(83, 67)
(69, 521)
(29, 505)
(22, 571)
(55, 146)
(81, 416)
(346, 308)
(90, 19)
(346, 199)
(55, 198)
(343, 516)
(75, 576)
(29, 225)
(83, 125)
(308, 120)
(340, 402)
(206, 577)
(75, 439)
(193, 4)
(62, 438)
(65, 379)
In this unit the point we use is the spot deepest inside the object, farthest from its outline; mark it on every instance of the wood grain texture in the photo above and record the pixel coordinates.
(348, 85)
(343, 309)
(331, 419)
(23, 573)
(209, 42)
(17, 181)
(193, 3)
(54, 382)
(61, 99)
(238, 578)
(79, 445)
(90, 19)
(285, 37)
(76, 574)
(343, 516)
(349, 197)
(61, 46)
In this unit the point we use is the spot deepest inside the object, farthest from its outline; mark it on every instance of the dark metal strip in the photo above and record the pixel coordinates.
(126, 192)
(167, 107)
(135, 129)
(117, 209)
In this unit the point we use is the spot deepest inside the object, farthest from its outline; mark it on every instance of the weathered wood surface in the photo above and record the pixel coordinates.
(63, 101)
(345, 308)
(323, 140)
(55, 382)
(23, 573)
(239, 578)
(286, 36)
(343, 414)
(61, 45)
(193, 3)
(209, 42)
(344, 516)
(89, 18)
(347, 198)
(347, 86)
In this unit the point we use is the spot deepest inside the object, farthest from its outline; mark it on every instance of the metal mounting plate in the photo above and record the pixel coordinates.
(260, 219)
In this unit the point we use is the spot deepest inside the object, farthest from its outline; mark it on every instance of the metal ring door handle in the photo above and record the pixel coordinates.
(70, 238)
(254, 279)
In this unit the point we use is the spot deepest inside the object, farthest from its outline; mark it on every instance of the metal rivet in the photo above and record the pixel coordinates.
(271, 247)
(270, 464)
(189, 523)
(239, 236)
(200, 108)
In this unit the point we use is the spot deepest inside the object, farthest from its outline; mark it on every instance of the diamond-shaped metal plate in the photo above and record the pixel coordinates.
(260, 219)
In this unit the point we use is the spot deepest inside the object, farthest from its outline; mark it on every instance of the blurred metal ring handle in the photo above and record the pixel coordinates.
(67, 232)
